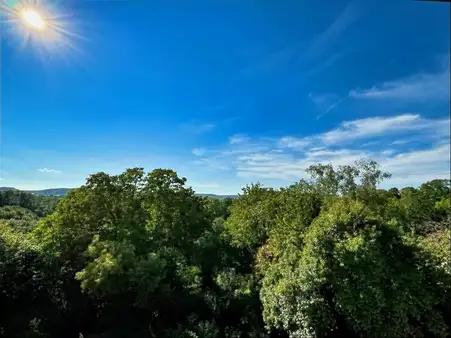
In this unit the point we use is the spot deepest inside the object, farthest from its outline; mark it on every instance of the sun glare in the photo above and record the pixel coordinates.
(43, 27)
(33, 19)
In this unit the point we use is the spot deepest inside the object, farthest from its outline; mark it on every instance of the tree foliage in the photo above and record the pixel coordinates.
(140, 255)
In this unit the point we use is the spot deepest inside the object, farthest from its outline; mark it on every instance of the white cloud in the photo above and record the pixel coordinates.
(388, 152)
(198, 151)
(284, 160)
(368, 128)
(397, 142)
(45, 170)
(212, 163)
(417, 88)
(375, 126)
(197, 128)
(425, 161)
(327, 102)
(238, 138)
(256, 157)
(294, 142)
(323, 98)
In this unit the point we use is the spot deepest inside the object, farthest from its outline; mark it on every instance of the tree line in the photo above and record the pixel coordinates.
(39, 205)
(140, 255)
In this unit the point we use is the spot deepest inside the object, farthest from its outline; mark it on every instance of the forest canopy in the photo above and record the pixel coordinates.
(141, 255)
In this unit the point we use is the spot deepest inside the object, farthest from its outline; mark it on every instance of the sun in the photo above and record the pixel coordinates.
(44, 27)
(33, 19)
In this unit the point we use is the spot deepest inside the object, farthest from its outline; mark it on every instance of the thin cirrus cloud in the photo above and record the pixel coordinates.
(46, 170)
(318, 47)
(238, 138)
(294, 142)
(353, 11)
(375, 126)
(326, 102)
(417, 88)
(284, 159)
(200, 128)
(323, 99)
(349, 131)
(198, 151)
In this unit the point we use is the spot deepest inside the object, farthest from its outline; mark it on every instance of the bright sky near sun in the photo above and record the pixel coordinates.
(33, 19)
(228, 92)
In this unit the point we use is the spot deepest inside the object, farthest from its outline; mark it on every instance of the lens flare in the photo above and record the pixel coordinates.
(46, 27)
(33, 19)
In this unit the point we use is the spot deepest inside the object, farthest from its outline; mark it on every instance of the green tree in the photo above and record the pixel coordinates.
(140, 255)
(355, 276)
(252, 216)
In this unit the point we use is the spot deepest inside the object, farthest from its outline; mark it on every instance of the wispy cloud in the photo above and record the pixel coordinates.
(294, 142)
(212, 162)
(398, 142)
(197, 128)
(349, 131)
(316, 48)
(334, 105)
(285, 159)
(46, 170)
(416, 88)
(198, 151)
(334, 58)
(375, 126)
(327, 102)
(238, 138)
(323, 99)
(351, 13)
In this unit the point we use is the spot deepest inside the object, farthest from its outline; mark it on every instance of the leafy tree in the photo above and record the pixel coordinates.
(354, 276)
(424, 210)
(40, 205)
(140, 255)
(218, 207)
(19, 218)
(252, 216)
(145, 247)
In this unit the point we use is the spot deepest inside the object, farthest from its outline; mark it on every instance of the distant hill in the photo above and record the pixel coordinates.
(217, 196)
(50, 192)
(44, 192)
(64, 191)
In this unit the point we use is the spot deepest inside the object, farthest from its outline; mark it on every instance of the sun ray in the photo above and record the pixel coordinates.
(25, 41)
(42, 26)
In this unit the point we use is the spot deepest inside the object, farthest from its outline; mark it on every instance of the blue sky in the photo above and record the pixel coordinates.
(225, 92)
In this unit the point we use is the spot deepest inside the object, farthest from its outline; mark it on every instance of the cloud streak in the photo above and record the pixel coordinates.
(327, 102)
(376, 126)
(198, 151)
(351, 13)
(284, 159)
(46, 170)
(197, 128)
(417, 88)
(314, 50)
(238, 138)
